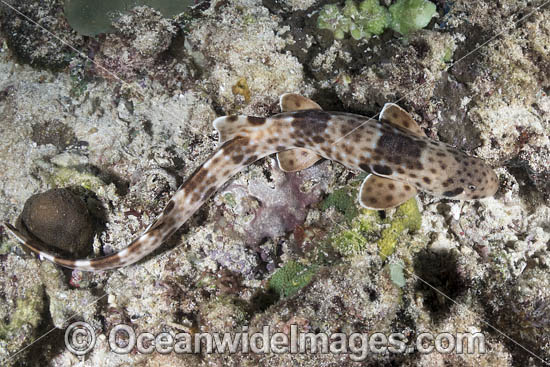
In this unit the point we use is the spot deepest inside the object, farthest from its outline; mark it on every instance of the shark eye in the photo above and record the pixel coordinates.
(472, 187)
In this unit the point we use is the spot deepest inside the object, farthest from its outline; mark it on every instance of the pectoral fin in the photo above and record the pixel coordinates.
(384, 193)
(395, 115)
(296, 159)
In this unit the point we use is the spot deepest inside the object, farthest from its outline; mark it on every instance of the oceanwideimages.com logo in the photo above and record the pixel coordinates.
(80, 338)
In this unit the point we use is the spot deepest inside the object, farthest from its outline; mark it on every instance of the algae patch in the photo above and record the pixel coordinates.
(364, 229)
(370, 18)
(342, 200)
(292, 277)
(411, 15)
(222, 313)
(27, 311)
(64, 176)
(406, 217)
(53, 132)
(361, 21)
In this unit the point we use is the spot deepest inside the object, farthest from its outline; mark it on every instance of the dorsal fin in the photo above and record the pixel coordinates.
(296, 159)
(384, 193)
(295, 102)
(395, 115)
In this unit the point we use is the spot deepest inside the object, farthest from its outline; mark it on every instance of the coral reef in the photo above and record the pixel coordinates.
(420, 62)
(273, 248)
(65, 303)
(33, 43)
(139, 42)
(222, 314)
(264, 204)
(22, 306)
(93, 20)
(260, 59)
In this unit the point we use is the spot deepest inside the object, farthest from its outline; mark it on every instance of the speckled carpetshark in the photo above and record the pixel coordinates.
(394, 150)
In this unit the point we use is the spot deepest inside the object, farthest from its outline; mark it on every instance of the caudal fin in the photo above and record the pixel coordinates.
(36, 247)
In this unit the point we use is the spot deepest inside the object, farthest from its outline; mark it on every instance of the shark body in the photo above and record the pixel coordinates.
(399, 157)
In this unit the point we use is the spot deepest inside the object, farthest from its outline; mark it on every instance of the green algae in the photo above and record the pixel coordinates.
(292, 277)
(27, 311)
(448, 56)
(229, 199)
(79, 85)
(406, 217)
(342, 200)
(364, 229)
(64, 176)
(331, 18)
(5, 247)
(370, 18)
(411, 15)
(361, 21)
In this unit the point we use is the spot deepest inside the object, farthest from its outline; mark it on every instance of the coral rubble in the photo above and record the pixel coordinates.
(125, 125)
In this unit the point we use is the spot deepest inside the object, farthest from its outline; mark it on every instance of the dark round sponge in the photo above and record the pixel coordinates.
(60, 219)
